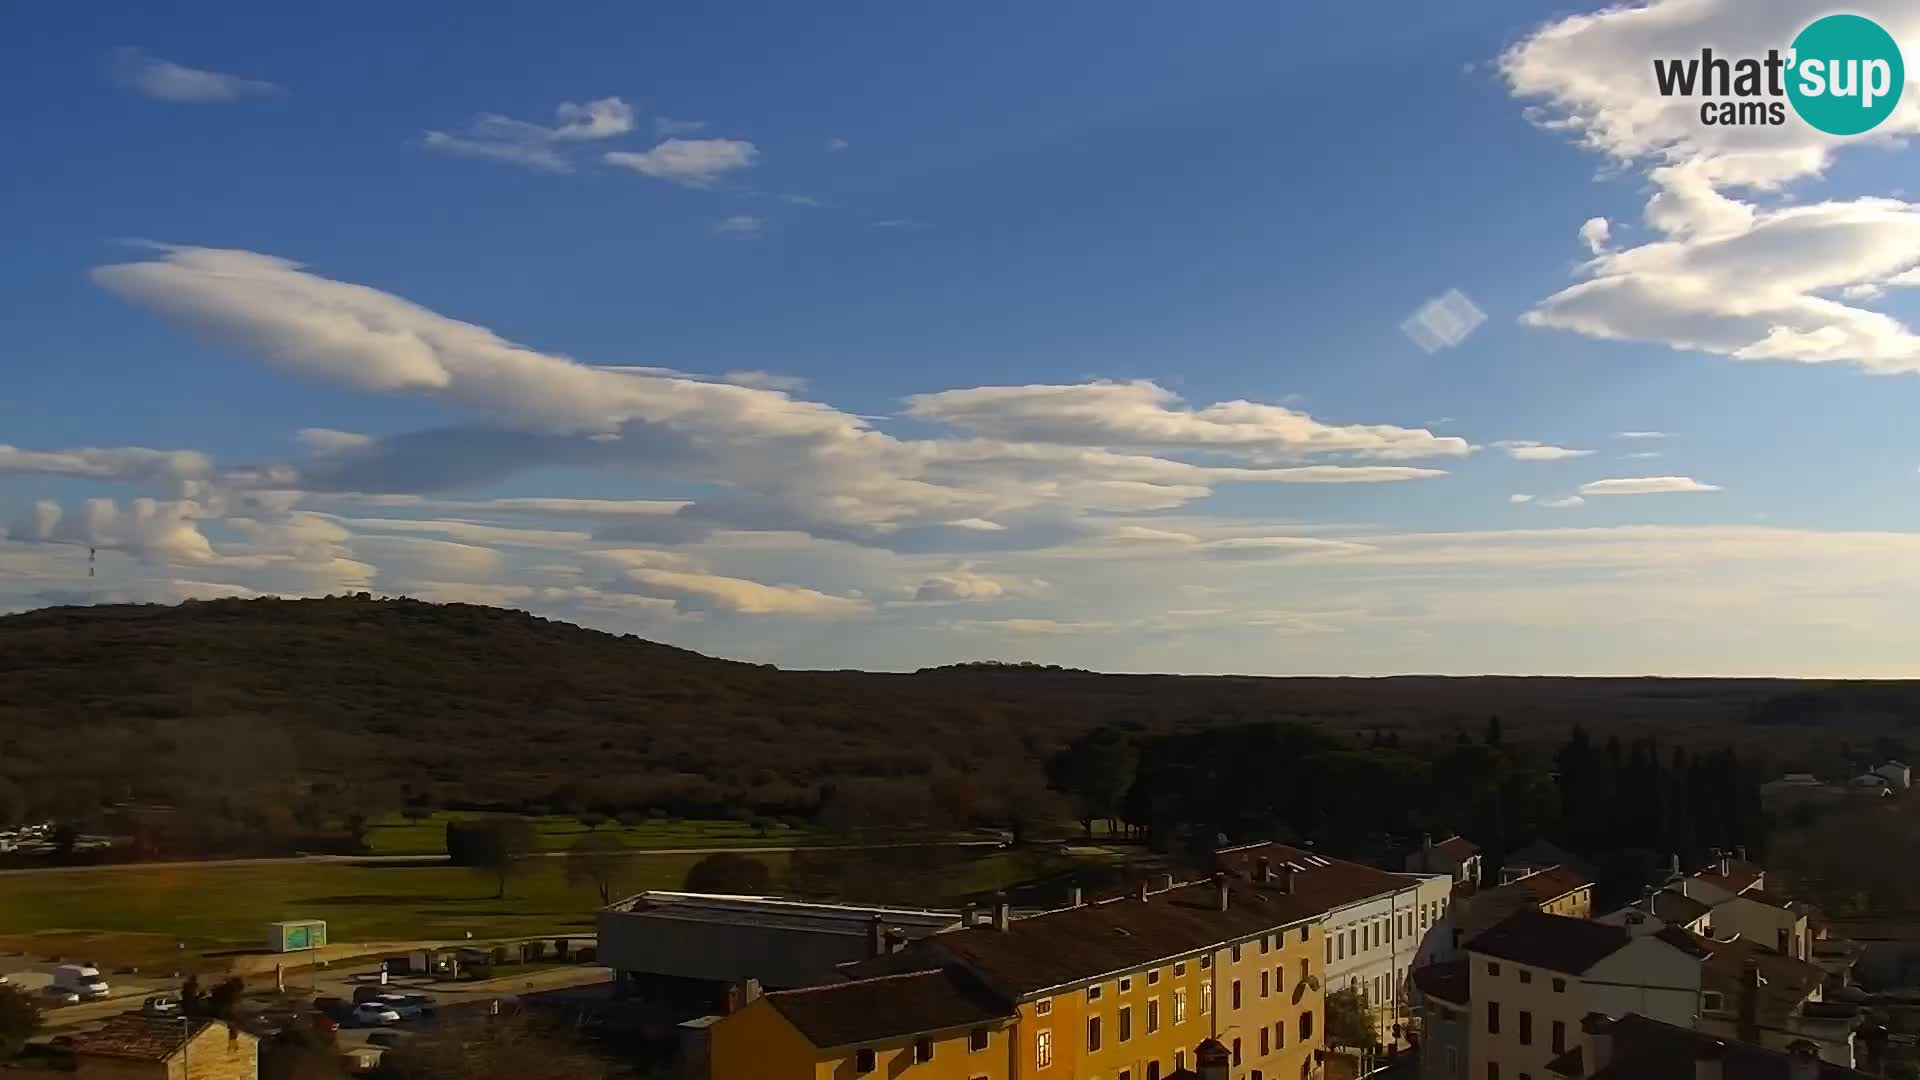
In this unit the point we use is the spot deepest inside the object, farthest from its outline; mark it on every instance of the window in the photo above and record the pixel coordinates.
(1526, 1076)
(1093, 1033)
(1124, 1074)
(1153, 1070)
(1153, 1015)
(1236, 954)
(863, 1061)
(1093, 993)
(1279, 1034)
(922, 1050)
(1043, 1006)
(1179, 1060)
(1525, 977)
(1266, 945)
(1559, 986)
(1206, 998)
(1559, 1037)
(1453, 1063)
(1493, 1018)
(1236, 1051)
(1376, 989)
(1526, 1028)
(1303, 969)
(1042, 1048)
(1206, 962)
(1180, 1006)
(1340, 947)
(1266, 1037)
(1126, 1023)
(1329, 950)
(1493, 968)
(1306, 1026)
(1279, 978)
(1712, 1001)
(1265, 981)
(1153, 976)
(1180, 969)
(1493, 1070)
(979, 1039)
(1353, 941)
(1236, 993)
(1126, 985)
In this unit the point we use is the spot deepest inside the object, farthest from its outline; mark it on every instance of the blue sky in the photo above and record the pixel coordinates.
(1000, 331)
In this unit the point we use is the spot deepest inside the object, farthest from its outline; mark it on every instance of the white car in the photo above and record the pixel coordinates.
(373, 1014)
(57, 996)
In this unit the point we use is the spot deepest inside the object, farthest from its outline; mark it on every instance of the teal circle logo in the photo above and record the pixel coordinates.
(1846, 74)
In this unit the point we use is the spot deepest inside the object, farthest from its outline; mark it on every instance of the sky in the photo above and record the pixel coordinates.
(1375, 339)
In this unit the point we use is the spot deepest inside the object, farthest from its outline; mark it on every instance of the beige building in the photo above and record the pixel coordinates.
(135, 1047)
(1533, 977)
(1752, 993)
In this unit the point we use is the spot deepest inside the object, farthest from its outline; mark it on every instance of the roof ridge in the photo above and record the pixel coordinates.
(936, 969)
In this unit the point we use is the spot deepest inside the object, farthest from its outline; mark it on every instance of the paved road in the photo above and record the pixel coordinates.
(429, 860)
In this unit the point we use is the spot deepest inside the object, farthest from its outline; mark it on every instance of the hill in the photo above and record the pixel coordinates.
(283, 715)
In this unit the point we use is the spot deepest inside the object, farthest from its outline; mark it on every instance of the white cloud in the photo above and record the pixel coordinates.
(1725, 275)
(1644, 455)
(740, 225)
(1594, 233)
(837, 144)
(799, 200)
(493, 137)
(536, 156)
(477, 532)
(410, 556)
(967, 586)
(1443, 322)
(1528, 450)
(149, 529)
(164, 80)
(766, 380)
(1641, 435)
(1144, 414)
(977, 525)
(1519, 499)
(328, 441)
(1646, 485)
(181, 472)
(1566, 502)
(705, 592)
(694, 163)
(602, 119)
(666, 126)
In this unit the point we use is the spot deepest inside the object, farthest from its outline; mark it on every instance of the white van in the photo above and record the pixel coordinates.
(80, 979)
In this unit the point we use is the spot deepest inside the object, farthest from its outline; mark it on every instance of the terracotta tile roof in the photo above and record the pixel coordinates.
(1447, 981)
(1690, 943)
(1771, 899)
(1078, 944)
(131, 1035)
(1676, 910)
(1324, 882)
(888, 1007)
(1646, 1049)
(1458, 848)
(1554, 942)
(1549, 885)
(1786, 980)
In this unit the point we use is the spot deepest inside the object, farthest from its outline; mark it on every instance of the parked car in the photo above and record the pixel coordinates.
(374, 1014)
(409, 1006)
(161, 1005)
(82, 979)
(364, 994)
(322, 1022)
(338, 1008)
(57, 996)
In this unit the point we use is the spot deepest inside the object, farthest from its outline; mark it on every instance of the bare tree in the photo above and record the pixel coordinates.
(597, 859)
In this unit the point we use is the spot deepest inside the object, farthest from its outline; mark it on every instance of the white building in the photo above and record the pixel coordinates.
(1379, 925)
(1897, 775)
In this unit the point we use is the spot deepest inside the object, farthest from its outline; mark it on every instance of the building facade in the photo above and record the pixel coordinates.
(136, 1047)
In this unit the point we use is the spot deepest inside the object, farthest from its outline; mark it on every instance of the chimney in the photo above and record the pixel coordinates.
(1166, 882)
(1740, 853)
(1708, 1055)
(1002, 915)
(1650, 891)
(1075, 897)
(1750, 984)
(1263, 869)
(876, 936)
(1673, 866)
(1726, 865)
(743, 994)
(1683, 887)
(1599, 1032)
(1220, 891)
(895, 940)
(1286, 879)
(1143, 890)
(1426, 841)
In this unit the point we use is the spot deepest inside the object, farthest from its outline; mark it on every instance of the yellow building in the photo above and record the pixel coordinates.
(933, 1025)
(1124, 989)
(1559, 890)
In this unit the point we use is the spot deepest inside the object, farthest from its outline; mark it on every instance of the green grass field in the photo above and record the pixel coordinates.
(138, 914)
(397, 835)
